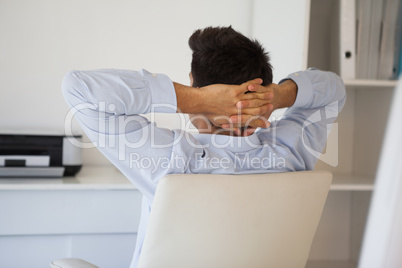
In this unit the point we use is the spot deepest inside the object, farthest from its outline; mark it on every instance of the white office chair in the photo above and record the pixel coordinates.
(260, 220)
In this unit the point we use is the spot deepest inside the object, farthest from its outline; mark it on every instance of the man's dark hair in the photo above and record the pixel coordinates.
(222, 55)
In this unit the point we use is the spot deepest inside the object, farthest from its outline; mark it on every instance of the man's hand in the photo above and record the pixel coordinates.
(280, 96)
(254, 112)
(221, 100)
(232, 107)
(245, 105)
(218, 102)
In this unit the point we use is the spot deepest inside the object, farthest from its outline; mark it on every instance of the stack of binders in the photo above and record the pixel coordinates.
(378, 39)
(369, 41)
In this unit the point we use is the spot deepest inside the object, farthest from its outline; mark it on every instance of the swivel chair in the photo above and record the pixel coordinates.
(208, 220)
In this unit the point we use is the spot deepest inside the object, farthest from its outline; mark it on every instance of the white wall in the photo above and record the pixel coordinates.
(281, 26)
(42, 40)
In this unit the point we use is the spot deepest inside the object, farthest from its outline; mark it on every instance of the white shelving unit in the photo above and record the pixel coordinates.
(359, 133)
(364, 83)
(350, 182)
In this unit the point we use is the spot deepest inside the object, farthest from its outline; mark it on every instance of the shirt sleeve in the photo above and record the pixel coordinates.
(108, 103)
(301, 134)
(124, 92)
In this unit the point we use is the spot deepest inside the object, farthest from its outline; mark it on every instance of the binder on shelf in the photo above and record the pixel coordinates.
(363, 38)
(400, 61)
(389, 49)
(343, 52)
(379, 25)
(397, 68)
(375, 38)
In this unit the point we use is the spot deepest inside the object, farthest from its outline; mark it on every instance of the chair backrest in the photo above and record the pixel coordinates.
(259, 220)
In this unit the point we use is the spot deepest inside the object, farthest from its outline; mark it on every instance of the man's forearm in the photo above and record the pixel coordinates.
(189, 99)
(215, 99)
(285, 94)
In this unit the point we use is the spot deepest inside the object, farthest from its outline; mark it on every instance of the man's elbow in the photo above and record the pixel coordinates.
(339, 90)
(70, 86)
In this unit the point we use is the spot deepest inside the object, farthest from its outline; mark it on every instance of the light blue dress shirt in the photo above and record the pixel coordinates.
(108, 105)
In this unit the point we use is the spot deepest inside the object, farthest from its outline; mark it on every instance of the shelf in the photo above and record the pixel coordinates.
(341, 182)
(89, 178)
(330, 264)
(366, 83)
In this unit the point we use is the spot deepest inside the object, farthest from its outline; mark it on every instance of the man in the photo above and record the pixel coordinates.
(109, 104)
(224, 56)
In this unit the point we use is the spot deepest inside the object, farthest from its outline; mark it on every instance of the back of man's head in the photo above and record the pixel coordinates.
(222, 55)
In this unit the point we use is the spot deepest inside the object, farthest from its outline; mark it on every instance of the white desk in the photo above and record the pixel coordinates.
(89, 178)
(94, 216)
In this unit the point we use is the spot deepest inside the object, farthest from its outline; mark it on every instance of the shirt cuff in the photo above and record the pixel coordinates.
(304, 89)
(163, 94)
